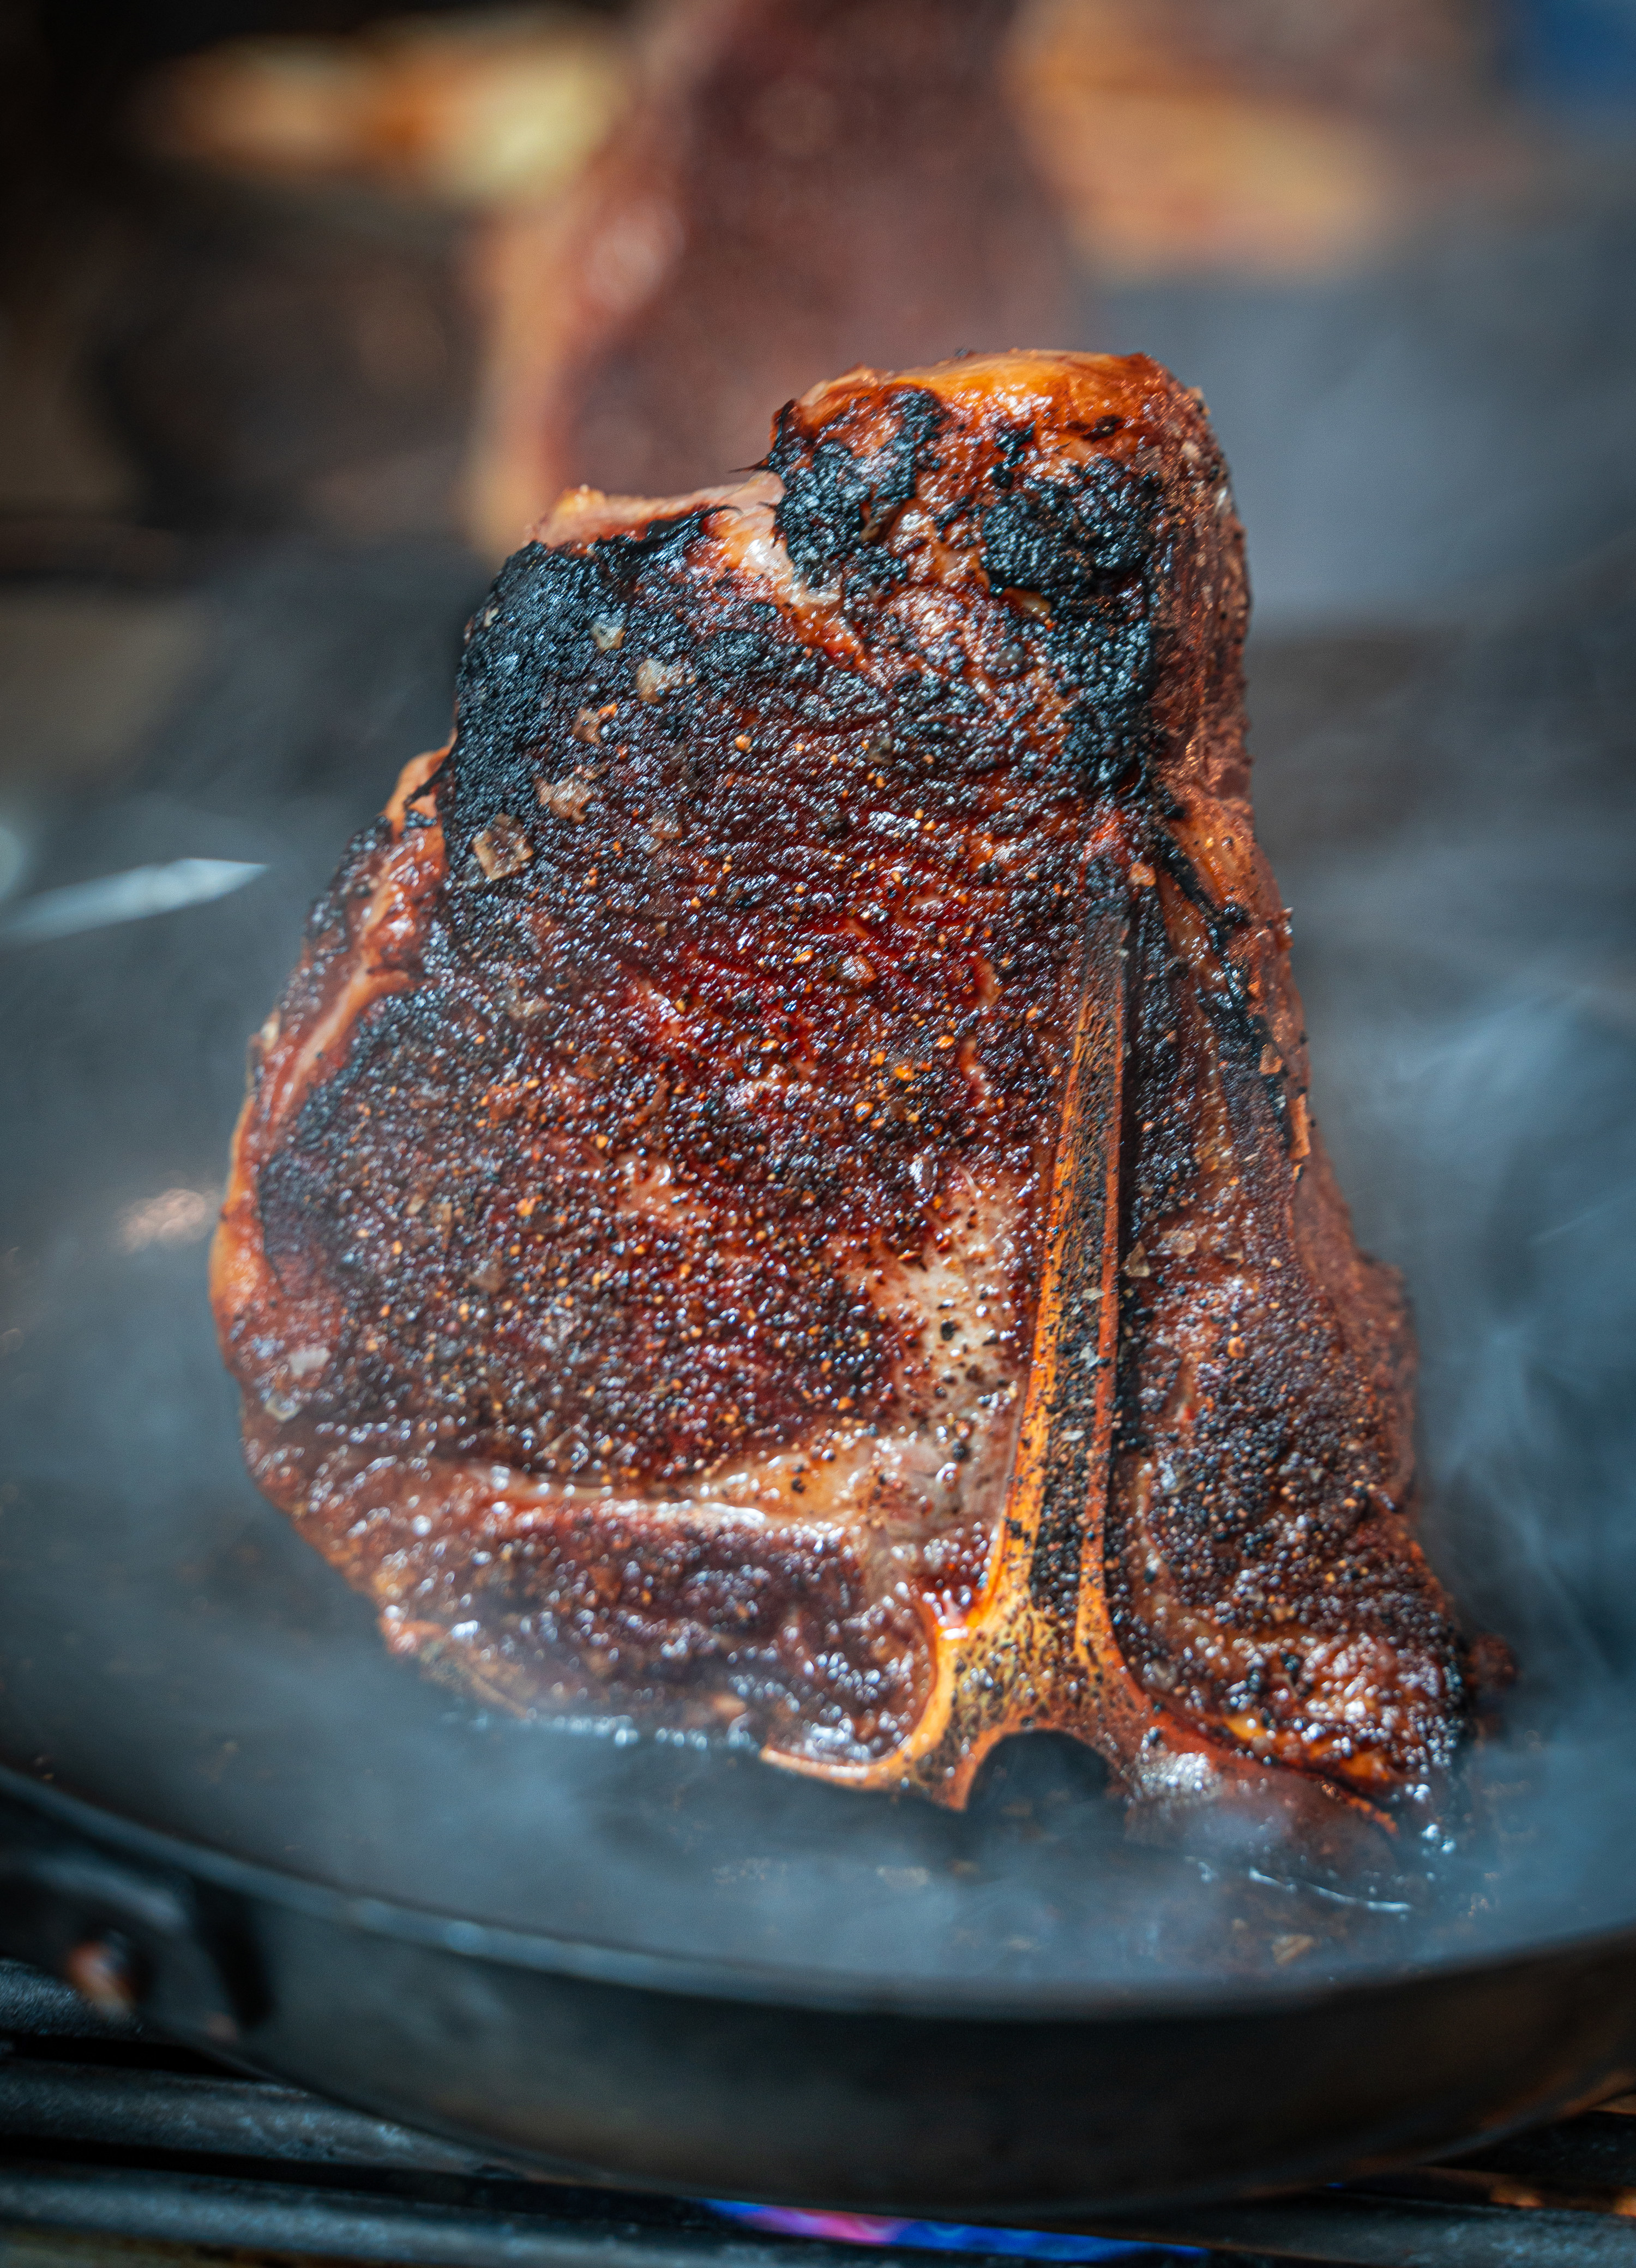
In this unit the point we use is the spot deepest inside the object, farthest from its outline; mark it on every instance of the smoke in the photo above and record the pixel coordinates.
(1468, 956)
(1457, 856)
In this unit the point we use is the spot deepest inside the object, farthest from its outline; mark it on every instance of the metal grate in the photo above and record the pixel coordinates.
(105, 2130)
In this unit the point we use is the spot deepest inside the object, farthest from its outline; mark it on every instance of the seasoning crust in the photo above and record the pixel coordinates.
(632, 1254)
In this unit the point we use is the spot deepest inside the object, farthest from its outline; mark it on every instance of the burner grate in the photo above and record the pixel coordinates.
(107, 2132)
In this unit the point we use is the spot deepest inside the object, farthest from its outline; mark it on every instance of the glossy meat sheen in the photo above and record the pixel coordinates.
(634, 1250)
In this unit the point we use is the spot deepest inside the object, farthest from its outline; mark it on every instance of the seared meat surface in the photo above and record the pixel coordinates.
(781, 1197)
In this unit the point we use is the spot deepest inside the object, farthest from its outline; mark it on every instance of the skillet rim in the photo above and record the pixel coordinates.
(709, 1977)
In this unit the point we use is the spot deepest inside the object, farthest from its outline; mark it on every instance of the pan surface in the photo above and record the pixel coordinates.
(174, 1657)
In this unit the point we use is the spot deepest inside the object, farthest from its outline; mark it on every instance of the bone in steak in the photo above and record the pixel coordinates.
(781, 1197)
(799, 183)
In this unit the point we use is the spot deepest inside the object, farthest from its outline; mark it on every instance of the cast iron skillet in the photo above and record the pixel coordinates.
(646, 1963)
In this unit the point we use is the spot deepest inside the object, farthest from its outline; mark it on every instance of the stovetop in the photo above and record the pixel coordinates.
(108, 2131)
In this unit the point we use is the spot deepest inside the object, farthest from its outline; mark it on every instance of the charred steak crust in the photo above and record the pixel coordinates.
(637, 1219)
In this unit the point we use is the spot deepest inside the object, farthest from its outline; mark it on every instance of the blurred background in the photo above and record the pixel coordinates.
(310, 306)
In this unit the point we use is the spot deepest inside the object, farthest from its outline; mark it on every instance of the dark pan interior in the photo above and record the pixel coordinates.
(1450, 818)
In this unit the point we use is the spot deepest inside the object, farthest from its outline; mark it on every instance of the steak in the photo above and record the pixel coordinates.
(798, 183)
(780, 1200)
